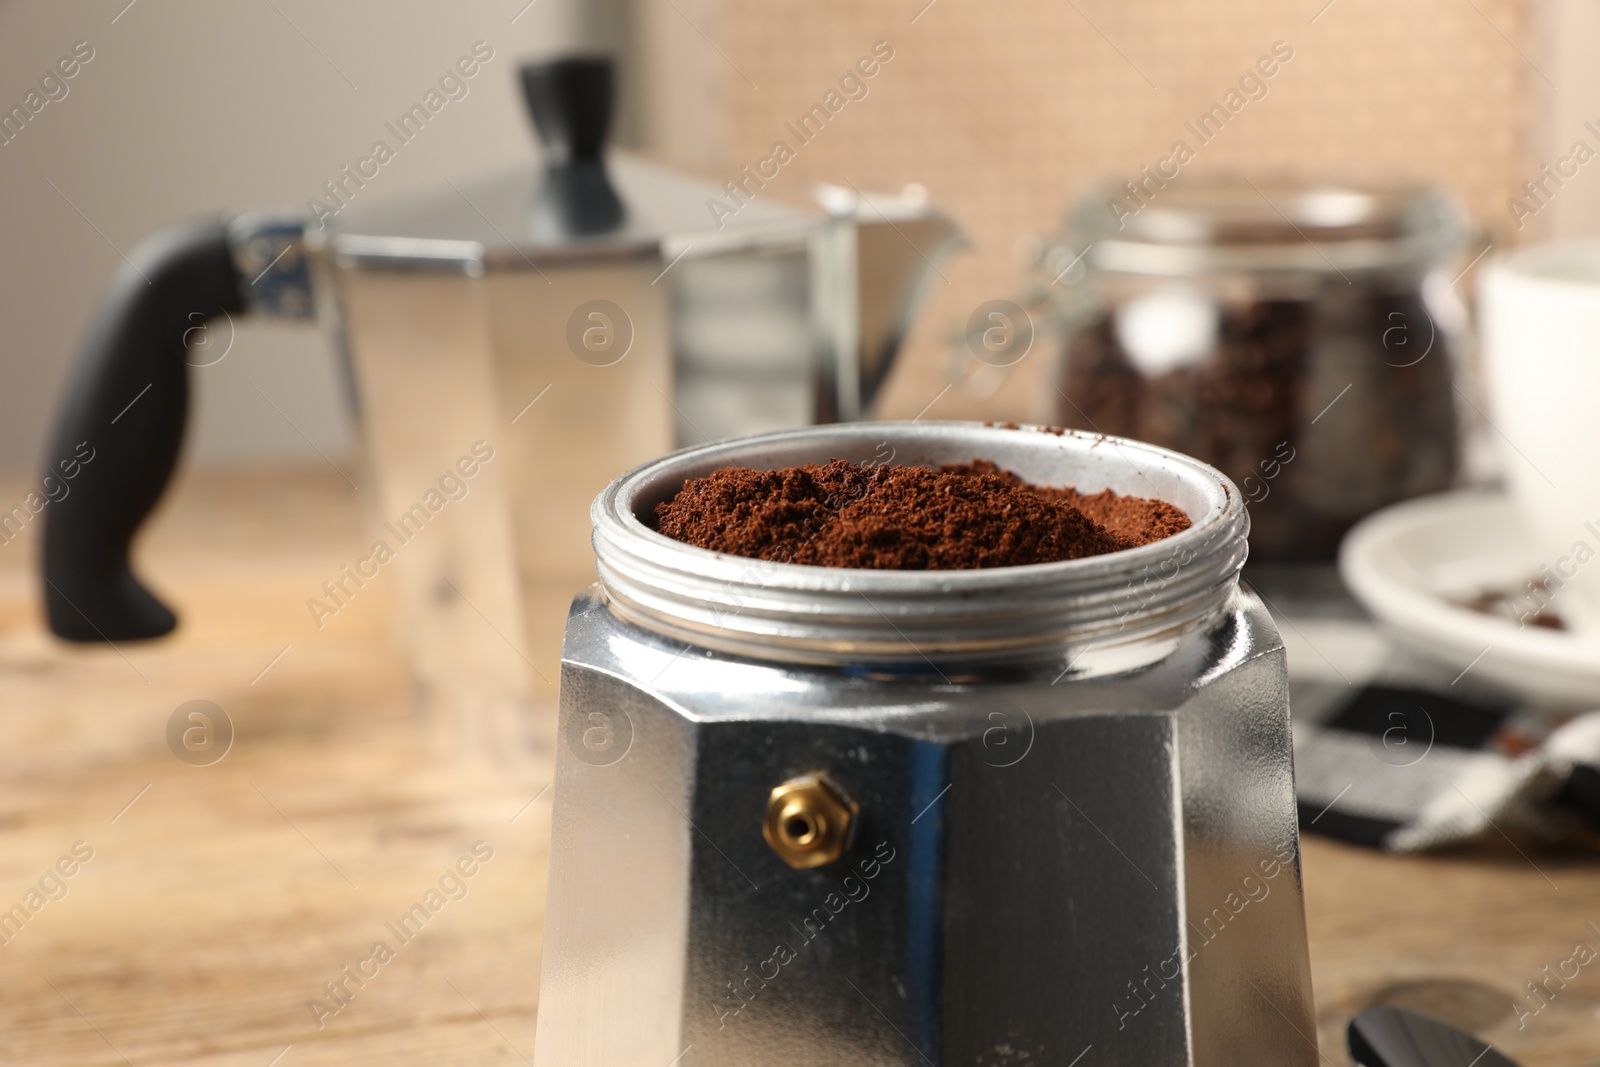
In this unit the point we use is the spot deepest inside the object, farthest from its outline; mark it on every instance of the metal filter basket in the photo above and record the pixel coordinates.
(1018, 815)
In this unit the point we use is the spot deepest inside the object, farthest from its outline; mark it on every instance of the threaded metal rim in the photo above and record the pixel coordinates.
(825, 615)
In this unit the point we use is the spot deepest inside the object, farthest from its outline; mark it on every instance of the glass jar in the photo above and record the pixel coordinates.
(1299, 338)
(816, 815)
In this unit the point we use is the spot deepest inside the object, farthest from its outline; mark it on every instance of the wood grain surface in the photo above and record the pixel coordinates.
(219, 899)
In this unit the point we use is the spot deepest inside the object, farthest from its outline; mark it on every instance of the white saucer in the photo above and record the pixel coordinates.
(1411, 566)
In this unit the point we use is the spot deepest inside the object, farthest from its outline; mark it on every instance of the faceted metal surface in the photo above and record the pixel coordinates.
(1045, 866)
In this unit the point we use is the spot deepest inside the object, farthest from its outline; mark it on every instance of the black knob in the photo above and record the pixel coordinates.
(570, 101)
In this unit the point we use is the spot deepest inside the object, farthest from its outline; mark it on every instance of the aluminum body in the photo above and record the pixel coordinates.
(1077, 831)
(571, 359)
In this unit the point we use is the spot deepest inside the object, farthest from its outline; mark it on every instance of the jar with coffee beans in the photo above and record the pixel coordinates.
(1301, 338)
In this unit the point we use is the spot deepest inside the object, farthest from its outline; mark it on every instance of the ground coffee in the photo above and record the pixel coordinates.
(962, 517)
(1136, 519)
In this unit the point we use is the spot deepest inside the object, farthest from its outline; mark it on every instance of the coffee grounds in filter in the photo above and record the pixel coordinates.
(959, 517)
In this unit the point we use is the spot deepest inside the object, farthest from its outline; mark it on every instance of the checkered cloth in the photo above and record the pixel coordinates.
(1397, 753)
(1414, 769)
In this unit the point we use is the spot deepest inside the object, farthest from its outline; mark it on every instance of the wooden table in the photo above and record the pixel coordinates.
(219, 899)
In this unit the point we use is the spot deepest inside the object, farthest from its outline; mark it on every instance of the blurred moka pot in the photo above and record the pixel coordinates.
(542, 328)
(807, 815)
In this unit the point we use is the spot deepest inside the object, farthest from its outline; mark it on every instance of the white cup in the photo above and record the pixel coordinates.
(1540, 312)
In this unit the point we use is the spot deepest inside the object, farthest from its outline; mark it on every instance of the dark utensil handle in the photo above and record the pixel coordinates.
(125, 409)
(1392, 1037)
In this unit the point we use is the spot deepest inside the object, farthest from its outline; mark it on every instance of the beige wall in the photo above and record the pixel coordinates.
(1566, 35)
(1005, 111)
(190, 108)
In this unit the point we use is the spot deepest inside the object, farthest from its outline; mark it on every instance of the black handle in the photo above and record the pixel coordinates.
(121, 428)
(1392, 1037)
(570, 100)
